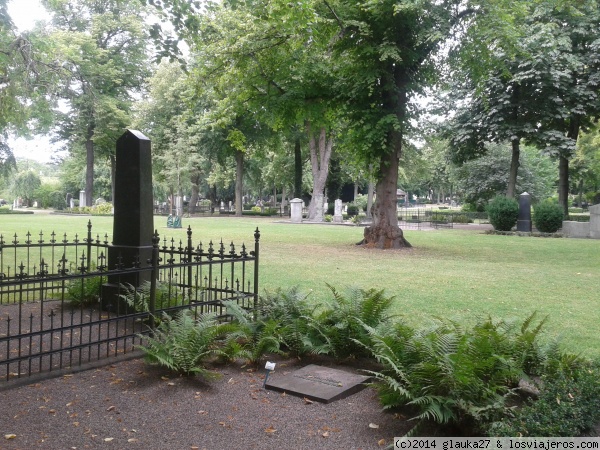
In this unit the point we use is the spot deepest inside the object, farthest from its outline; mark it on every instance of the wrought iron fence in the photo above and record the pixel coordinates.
(54, 314)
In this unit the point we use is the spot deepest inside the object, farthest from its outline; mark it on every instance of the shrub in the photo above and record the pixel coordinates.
(361, 201)
(283, 323)
(328, 218)
(168, 295)
(453, 375)
(503, 213)
(256, 209)
(341, 322)
(102, 209)
(183, 344)
(352, 210)
(84, 291)
(568, 405)
(548, 217)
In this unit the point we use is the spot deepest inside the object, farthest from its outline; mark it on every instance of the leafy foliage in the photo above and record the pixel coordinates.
(183, 344)
(548, 216)
(84, 291)
(453, 375)
(503, 213)
(168, 295)
(568, 405)
(251, 338)
(342, 320)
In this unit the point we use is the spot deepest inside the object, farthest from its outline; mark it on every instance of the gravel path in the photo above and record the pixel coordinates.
(130, 405)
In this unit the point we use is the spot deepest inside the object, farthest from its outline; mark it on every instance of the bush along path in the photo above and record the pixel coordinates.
(497, 377)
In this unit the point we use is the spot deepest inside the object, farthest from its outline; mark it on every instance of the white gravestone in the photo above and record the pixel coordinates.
(337, 212)
(296, 210)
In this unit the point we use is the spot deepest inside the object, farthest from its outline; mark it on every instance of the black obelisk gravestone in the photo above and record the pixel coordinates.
(133, 225)
(524, 219)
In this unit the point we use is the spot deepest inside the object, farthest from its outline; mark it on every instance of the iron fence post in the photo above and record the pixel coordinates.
(189, 263)
(89, 245)
(256, 255)
(153, 277)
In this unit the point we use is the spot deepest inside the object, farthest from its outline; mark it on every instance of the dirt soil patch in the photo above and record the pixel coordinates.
(130, 405)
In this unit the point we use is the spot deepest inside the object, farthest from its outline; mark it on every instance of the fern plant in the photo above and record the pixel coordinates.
(453, 375)
(342, 321)
(294, 314)
(168, 295)
(183, 343)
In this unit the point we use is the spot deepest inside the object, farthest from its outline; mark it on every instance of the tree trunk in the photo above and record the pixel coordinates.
(320, 155)
(297, 169)
(113, 170)
(89, 171)
(385, 232)
(355, 193)
(514, 169)
(239, 188)
(370, 190)
(195, 179)
(563, 184)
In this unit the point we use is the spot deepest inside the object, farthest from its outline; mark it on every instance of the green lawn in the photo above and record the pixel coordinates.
(449, 273)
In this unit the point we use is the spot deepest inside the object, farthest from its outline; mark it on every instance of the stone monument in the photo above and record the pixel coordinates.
(595, 221)
(337, 212)
(296, 210)
(524, 219)
(318, 383)
(133, 224)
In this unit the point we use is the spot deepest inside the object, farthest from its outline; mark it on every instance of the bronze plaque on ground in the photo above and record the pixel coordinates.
(322, 384)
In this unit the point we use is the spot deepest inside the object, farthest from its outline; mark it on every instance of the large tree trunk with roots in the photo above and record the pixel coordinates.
(514, 168)
(385, 233)
(320, 155)
(239, 187)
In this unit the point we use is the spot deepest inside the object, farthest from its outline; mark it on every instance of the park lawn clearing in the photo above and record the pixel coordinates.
(456, 274)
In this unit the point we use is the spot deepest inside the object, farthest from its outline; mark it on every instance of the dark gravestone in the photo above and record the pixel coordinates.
(133, 224)
(524, 219)
(322, 384)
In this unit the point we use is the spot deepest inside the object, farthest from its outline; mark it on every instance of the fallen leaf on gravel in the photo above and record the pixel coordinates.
(222, 424)
(307, 401)
(171, 384)
(326, 434)
(10, 436)
(270, 430)
(108, 439)
(51, 411)
(164, 378)
(203, 412)
(373, 425)
(381, 442)
(132, 440)
(110, 408)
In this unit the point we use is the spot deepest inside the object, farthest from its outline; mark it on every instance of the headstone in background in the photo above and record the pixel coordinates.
(296, 210)
(338, 217)
(82, 199)
(595, 221)
(524, 219)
